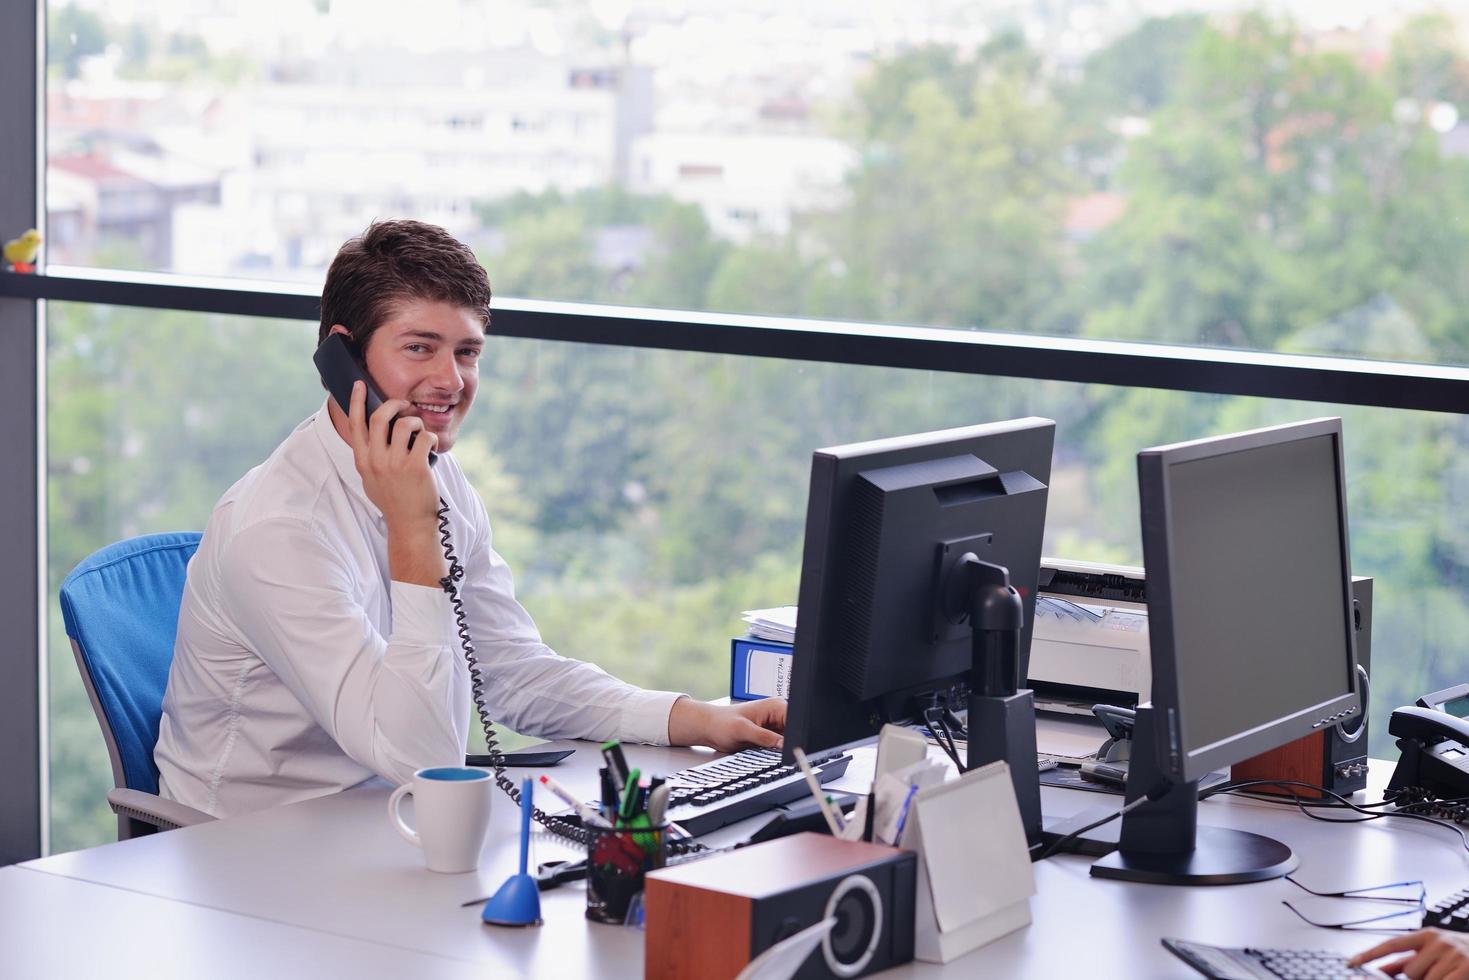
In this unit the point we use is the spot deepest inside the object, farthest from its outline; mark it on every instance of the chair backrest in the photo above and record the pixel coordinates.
(121, 607)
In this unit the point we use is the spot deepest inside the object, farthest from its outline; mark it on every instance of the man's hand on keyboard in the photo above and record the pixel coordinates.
(727, 727)
(1436, 953)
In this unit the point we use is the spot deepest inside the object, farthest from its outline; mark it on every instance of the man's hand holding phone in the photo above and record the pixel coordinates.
(397, 478)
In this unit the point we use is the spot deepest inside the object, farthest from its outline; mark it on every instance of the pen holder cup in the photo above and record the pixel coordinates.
(617, 861)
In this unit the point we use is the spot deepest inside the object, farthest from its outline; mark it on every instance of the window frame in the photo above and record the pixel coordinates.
(24, 803)
(1133, 364)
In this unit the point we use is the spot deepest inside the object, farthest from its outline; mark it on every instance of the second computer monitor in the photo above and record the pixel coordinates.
(1250, 622)
(1249, 591)
(885, 523)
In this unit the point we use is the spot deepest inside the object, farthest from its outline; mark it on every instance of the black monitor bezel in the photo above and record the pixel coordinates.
(830, 466)
(1188, 763)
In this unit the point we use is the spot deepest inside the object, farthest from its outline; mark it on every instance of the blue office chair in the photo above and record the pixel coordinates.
(121, 607)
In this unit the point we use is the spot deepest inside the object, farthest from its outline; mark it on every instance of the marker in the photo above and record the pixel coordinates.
(836, 811)
(610, 796)
(657, 803)
(589, 817)
(630, 795)
(617, 764)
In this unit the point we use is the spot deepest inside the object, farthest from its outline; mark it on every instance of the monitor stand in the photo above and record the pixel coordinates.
(1003, 727)
(1161, 842)
(1001, 722)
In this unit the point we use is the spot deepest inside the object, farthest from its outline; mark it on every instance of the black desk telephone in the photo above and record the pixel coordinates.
(338, 362)
(1433, 736)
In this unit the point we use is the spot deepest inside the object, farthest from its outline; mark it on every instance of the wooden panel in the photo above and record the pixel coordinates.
(1301, 759)
(694, 933)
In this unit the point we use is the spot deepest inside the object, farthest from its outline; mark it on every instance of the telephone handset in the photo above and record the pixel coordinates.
(1435, 749)
(337, 361)
(339, 365)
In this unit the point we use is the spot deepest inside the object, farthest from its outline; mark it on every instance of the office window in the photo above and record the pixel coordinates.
(1282, 176)
(150, 416)
(639, 521)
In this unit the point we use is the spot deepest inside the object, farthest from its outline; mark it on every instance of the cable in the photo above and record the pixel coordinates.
(1061, 842)
(958, 728)
(941, 735)
(556, 825)
(1306, 806)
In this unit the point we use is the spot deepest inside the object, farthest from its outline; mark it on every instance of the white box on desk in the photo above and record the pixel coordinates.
(974, 875)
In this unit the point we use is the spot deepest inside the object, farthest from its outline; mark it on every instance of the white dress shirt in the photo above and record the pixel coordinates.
(302, 669)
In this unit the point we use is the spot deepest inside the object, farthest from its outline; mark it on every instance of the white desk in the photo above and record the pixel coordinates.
(331, 876)
(53, 926)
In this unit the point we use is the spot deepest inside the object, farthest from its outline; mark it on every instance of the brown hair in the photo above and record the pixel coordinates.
(399, 260)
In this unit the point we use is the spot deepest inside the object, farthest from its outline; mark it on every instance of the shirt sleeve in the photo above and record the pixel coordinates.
(394, 704)
(530, 687)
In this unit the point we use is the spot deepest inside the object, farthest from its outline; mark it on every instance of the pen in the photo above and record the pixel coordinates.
(589, 817)
(869, 813)
(836, 811)
(903, 817)
(815, 786)
(862, 816)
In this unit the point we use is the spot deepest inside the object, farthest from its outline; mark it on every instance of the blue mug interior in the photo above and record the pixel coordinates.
(453, 774)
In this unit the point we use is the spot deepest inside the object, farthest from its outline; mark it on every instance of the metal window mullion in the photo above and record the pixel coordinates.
(23, 803)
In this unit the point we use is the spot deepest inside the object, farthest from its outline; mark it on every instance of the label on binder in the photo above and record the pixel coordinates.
(759, 669)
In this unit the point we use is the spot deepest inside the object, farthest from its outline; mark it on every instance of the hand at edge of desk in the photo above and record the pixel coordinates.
(727, 727)
(1436, 954)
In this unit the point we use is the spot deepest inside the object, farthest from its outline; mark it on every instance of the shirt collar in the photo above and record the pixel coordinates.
(340, 454)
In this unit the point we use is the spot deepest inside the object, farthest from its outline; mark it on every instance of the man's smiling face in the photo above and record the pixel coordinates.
(427, 353)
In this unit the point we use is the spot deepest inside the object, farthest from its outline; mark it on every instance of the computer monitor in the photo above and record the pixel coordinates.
(1250, 623)
(903, 538)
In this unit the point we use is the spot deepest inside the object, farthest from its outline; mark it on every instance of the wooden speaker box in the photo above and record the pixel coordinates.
(1335, 757)
(708, 918)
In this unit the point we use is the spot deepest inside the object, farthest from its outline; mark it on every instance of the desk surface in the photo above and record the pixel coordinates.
(53, 926)
(332, 875)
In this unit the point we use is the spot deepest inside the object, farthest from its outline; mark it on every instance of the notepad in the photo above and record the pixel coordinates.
(974, 873)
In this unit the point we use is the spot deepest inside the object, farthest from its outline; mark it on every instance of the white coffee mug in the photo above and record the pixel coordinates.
(451, 805)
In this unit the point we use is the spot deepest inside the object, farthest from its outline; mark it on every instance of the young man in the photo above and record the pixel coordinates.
(316, 646)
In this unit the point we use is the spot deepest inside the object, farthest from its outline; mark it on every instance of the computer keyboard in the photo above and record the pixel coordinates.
(714, 794)
(1221, 963)
(1449, 913)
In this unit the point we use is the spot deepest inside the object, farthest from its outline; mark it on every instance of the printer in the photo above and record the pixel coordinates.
(1089, 643)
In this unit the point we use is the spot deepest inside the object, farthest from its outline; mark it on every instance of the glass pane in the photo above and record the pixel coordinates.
(1291, 177)
(150, 416)
(640, 521)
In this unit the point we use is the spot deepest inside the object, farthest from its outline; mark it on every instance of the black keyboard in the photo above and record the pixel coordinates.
(714, 794)
(1221, 963)
(1449, 913)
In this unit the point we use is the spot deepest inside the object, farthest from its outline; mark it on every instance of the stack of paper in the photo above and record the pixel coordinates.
(778, 624)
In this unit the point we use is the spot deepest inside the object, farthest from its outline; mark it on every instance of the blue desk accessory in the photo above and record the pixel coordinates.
(518, 902)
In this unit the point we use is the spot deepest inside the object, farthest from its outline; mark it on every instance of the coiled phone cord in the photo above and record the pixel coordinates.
(556, 825)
